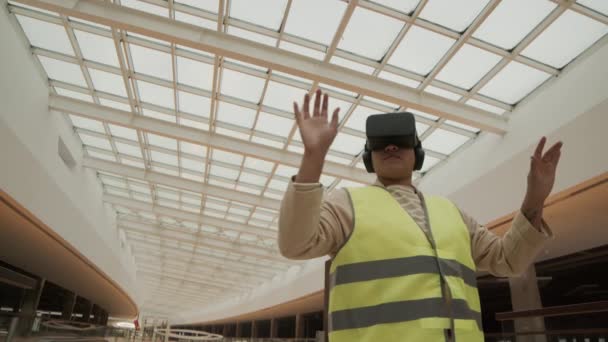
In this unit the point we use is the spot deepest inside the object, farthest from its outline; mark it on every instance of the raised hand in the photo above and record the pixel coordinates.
(317, 135)
(541, 179)
(316, 131)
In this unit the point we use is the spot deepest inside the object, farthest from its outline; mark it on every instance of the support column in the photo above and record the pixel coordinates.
(299, 333)
(274, 327)
(239, 330)
(31, 299)
(526, 296)
(69, 301)
(254, 329)
(167, 332)
(86, 311)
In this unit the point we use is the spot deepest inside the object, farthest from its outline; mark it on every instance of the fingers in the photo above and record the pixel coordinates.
(325, 104)
(539, 148)
(334, 118)
(296, 111)
(317, 111)
(552, 153)
(305, 112)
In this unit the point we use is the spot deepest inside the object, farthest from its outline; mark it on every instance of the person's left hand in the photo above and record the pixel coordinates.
(542, 173)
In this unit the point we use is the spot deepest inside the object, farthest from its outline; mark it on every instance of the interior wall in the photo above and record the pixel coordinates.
(68, 200)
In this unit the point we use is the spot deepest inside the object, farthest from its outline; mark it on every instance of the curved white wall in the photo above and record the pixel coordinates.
(69, 201)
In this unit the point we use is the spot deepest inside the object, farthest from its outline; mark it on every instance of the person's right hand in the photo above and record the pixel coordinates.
(317, 133)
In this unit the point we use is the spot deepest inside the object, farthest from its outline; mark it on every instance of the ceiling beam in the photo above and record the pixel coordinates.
(139, 228)
(126, 119)
(274, 58)
(188, 216)
(179, 183)
(184, 234)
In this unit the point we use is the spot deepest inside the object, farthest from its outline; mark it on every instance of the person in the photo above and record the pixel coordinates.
(403, 264)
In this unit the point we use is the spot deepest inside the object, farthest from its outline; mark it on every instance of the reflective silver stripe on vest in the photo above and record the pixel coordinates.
(379, 269)
(401, 312)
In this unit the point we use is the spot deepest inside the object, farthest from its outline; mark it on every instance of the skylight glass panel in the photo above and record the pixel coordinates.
(282, 96)
(90, 23)
(340, 160)
(286, 171)
(46, 35)
(277, 184)
(155, 94)
(443, 141)
(405, 6)
(164, 158)
(267, 142)
(74, 94)
(302, 50)
(224, 172)
(98, 142)
(107, 82)
(104, 156)
(194, 104)
(258, 164)
(123, 132)
(267, 13)
(194, 20)
(347, 143)
(193, 165)
(296, 149)
(455, 15)
(421, 128)
(600, 6)
(420, 50)
(568, 36)
(485, 106)
(442, 93)
(143, 6)
(194, 73)
(129, 150)
(274, 124)
(352, 65)
(468, 66)
(207, 5)
(326, 88)
(133, 163)
(228, 157)
(115, 105)
(97, 48)
(237, 115)
(498, 29)
(193, 177)
(326, 15)
(399, 79)
(89, 124)
(359, 116)
(253, 179)
(256, 37)
(369, 34)
(62, 71)
(429, 162)
(514, 82)
(160, 141)
(242, 86)
(194, 149)
(276, 73)
(151, 62)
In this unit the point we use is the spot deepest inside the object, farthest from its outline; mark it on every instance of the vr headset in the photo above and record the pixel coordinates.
(398, 129)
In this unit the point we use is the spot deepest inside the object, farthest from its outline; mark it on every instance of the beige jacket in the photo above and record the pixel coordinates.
(311, 226)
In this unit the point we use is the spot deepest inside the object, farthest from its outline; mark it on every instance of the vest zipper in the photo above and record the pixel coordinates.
(445, 290)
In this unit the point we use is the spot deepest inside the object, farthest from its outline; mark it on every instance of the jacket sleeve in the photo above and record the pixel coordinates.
(313, 225)
(511, 254)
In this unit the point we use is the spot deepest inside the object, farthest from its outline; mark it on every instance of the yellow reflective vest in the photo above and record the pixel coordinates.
(386, 282)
